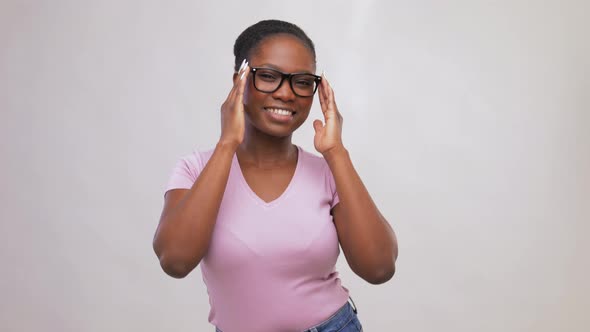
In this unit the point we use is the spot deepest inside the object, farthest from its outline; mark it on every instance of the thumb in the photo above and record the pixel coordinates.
(318, 125)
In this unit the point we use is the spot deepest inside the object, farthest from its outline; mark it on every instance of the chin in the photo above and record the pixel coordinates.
(276, 132)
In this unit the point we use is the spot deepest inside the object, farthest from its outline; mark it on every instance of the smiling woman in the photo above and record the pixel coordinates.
(264, 217)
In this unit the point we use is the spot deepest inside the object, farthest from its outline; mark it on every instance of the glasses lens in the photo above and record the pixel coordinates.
(304, 84)
(267, 80)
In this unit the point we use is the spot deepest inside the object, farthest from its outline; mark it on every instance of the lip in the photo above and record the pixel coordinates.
(279, 117)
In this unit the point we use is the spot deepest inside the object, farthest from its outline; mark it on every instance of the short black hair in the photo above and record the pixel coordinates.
(254, 34)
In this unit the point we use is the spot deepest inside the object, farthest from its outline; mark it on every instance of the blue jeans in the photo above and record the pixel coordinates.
(344, 320)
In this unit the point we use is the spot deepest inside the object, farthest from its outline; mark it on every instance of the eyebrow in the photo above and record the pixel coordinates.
(271, 66)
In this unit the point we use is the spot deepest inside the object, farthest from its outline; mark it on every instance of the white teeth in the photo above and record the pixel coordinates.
(279, 111)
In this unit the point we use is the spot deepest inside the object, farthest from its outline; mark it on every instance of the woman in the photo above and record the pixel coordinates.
(264, 217)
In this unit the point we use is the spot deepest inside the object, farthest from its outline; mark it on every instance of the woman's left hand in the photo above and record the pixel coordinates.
(328, 136)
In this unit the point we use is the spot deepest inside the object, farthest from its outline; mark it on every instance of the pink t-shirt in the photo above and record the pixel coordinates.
(271, 266)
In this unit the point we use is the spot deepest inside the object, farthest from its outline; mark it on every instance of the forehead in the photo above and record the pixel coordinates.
(283, 52)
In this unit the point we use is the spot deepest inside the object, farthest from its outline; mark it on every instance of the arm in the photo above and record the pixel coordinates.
(188, 217)
(368, 241)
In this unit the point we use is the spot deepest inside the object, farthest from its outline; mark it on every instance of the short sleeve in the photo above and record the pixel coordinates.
(331, 186)
(185, 173)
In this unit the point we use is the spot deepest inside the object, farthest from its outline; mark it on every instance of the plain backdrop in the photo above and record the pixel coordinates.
(468, 121)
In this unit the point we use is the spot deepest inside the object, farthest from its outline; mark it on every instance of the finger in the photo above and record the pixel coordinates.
(324, 85)
(328, 93)
(318, 125)
(231, 92)
(242, 65)
(325, 106)
(329, 108)
(235, 88)
(321, 96)
(332, 102)
(242, 82)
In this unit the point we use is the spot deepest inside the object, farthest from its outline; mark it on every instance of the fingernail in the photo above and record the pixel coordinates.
(241, 77)
(242, 65)
(324, 74)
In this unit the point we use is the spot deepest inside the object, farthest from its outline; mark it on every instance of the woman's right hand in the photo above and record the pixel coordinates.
(232, 110)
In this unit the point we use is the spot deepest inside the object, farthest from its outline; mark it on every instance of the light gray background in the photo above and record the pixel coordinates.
(467, 120)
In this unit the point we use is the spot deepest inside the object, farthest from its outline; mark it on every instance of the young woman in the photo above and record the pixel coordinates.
(264, 217)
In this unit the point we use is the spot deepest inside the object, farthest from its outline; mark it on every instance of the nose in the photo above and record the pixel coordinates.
(284, 92)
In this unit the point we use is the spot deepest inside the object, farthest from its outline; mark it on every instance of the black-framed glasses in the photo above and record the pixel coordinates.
(270, 80)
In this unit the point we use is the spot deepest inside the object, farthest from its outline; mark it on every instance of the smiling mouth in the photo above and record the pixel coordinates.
(279, 111)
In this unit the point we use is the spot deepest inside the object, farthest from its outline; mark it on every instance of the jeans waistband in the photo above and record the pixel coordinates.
(342, 317)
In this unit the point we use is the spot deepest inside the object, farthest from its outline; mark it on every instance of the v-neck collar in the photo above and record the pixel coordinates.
(251, 192)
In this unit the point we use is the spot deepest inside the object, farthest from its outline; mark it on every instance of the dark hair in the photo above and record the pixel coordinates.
(254, 34)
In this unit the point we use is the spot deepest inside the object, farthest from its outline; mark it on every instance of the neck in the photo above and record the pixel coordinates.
(263, 150)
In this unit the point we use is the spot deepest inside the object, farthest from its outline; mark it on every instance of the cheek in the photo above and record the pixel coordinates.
(305, 104)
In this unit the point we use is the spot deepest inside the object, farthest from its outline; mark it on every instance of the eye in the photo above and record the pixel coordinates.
(266, 75)
(304, 81)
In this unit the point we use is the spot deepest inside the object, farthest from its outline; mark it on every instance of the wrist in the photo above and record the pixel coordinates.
(226, 145)
(335, 153)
